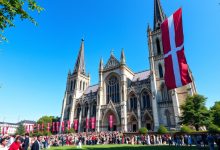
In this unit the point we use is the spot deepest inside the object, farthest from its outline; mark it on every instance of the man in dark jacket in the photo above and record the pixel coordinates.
(26, 142)
(36, 144)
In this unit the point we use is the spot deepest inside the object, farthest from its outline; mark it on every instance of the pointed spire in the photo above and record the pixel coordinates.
(80, 64)
(122, 57)
(101, 66)
(159, 15)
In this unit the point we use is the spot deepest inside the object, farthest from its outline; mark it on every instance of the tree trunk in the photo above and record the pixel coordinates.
(197, 127)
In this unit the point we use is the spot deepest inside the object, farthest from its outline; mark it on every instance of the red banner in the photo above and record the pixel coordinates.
(48, 127)
(93, 120)
(38, 127)
(75, 125)
(58, 125)
(32, 129)
(87, 123)
(63, 127)
(111, 121)
(68, 125)
(42, 127)
(54, 129)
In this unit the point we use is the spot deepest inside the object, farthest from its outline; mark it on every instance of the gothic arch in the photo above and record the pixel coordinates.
(159, 52)
(112, 88)
(160, 70)
(107, 113)
(132, 101)
(70, 100)
(168, 119)
(146, 101)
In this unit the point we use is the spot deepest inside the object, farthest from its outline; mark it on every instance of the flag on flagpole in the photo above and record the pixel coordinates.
(176, 68)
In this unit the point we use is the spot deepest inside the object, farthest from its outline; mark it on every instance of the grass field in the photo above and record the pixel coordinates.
(127, 147)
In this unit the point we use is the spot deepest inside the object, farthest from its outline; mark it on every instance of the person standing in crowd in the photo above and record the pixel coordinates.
(36, 145)
(218, 141)
(211, 141)
(16, 145)
(26, 142)
(3, 143)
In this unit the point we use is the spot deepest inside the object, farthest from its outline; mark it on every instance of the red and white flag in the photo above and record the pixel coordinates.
(176, 68)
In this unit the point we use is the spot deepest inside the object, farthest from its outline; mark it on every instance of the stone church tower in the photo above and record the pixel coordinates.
(132, 99)
(167, 102)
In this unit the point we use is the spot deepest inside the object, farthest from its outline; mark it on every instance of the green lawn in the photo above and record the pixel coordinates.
(126, 147)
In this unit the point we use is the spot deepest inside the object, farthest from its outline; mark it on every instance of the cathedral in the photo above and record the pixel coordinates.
(124, 100)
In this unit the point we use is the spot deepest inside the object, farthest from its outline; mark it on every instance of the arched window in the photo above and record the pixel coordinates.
(68, 113)
(78, 109)
(158, 47)
(160, 71)
(146, 100)
(164, 93)
(86, 110)
(133, 102)
(71, 85)
(70, 100)
(167, 114)
(112, 90)
(83, 85)
(94, 109)
(80, 85)
(74, 84)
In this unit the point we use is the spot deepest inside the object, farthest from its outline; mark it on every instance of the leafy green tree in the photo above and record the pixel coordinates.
(45, 120)
(143, 130)
(11, 9)
(194, 112)
(20, 130)
(213, 128)
(162, 129)
(215, 111)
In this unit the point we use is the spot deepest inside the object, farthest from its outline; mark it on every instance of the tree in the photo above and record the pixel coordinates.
(20, 130)
(162, 129)
(10, 9)
(143, 130)
(215, 111)
(194, 112)
(45, 120)
(213, 128)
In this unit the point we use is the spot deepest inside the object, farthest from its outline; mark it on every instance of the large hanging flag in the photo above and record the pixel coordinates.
(176, 68)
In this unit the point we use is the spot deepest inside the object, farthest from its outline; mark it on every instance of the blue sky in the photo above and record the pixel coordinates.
(34, 63)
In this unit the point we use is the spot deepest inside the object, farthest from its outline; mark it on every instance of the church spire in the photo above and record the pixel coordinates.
(122, 57)
(80, 64)
(159, 15)
(101, 66)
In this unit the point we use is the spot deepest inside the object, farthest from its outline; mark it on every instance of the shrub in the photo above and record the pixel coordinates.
(214, 129)
(162, 129)
(186, 129)
(143, 130)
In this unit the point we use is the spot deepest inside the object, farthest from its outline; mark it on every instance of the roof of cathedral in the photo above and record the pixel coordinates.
(141, 75)
(92, 88)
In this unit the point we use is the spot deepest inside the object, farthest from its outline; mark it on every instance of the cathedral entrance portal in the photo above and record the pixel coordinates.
(110, 121)
(132, 123)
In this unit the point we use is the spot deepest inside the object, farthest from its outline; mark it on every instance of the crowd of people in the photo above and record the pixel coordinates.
(95, 138)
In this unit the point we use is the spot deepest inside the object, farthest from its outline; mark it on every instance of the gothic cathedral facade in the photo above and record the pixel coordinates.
(134, 100)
